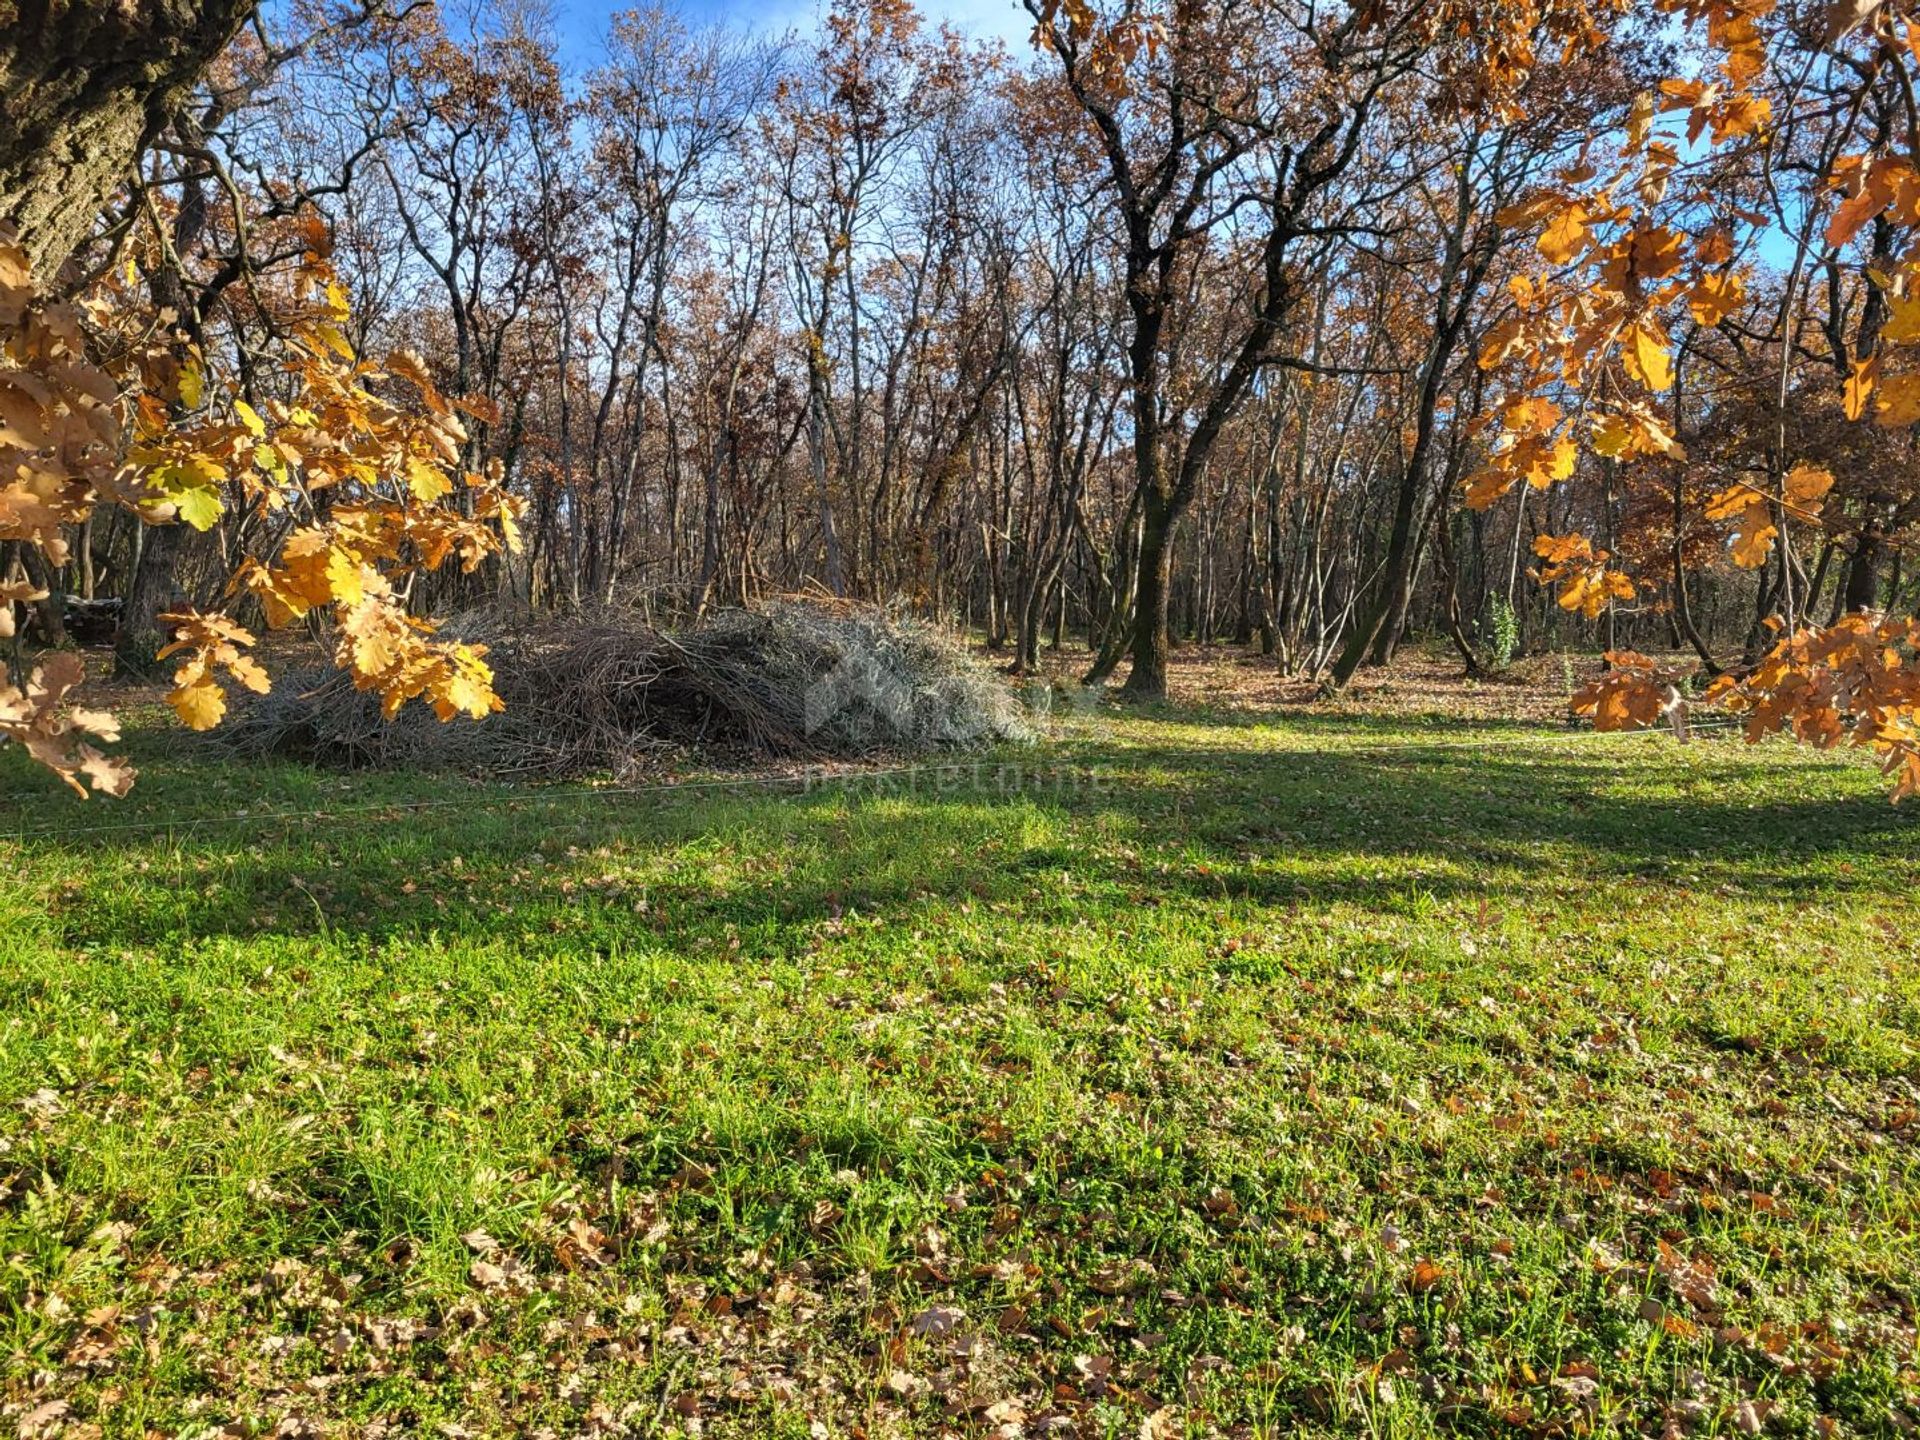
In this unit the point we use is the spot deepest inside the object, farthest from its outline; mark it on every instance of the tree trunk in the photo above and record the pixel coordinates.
(1148, 678)
(84, 86)
(1395, 589)
(1682, 598)
(151, 593)
(1393, 629)
(1450, 590)
(50, 611)
(1863, 570)
(817, 463)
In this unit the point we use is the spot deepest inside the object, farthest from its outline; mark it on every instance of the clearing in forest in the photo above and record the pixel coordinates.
(1221, 1068)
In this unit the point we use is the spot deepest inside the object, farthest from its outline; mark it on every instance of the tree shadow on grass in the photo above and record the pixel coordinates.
(1288, 825)
(1284, 720)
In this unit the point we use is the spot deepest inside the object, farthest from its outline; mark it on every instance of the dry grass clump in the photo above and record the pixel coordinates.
(605, 693)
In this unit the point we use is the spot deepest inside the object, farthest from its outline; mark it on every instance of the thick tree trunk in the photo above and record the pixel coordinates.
(151, 593)
(1151, 646)
(84, 85)
(1393, 629)
(1862, 590)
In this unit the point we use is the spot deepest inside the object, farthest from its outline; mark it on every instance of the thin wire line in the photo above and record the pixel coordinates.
(746, 782)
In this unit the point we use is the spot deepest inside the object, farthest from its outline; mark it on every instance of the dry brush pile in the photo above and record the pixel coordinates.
(607, 693)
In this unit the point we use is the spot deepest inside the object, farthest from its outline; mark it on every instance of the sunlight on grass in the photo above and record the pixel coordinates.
(1499, 1077)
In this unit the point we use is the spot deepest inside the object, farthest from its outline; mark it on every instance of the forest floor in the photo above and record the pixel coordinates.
(1242, 1066)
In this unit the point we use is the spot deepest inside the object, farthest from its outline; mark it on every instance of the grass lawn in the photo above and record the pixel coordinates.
(1204, 1071)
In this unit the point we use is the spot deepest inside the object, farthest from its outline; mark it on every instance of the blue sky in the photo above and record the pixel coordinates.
(583, 21)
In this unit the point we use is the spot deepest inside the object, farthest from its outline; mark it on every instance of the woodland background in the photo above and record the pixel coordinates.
(860, 311)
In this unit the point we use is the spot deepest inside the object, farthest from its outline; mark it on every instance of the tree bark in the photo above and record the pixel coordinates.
(84, 86)
(1394, 591)
(1862, 590)
(1148, 678)
(149, 595)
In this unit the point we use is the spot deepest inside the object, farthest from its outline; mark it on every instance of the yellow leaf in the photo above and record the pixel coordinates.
(1899, 402)
(248, 672)
(1656, 438)
(1564, 237)
(1485, 487)
(1628, 697)
(509, 516)
(330, 335)
(1647, 357)
(1634, 431)
(201, 507)
(192, 385)
(200, 704)
(372, 637)
(344, 580)
(1807, 486)
(250, 418)
(1714, 297)
(467, 688)
(1588, 585)
(1578, 592)
(1749, 514)
(1656, 252)
(1740, 115)
(1613, 436)
(1903, 319)
(195, 472)
(1859, 386)
(1555, 464)
(1560, 549)
(1872, 187)
(426, 480)
(1525, 212)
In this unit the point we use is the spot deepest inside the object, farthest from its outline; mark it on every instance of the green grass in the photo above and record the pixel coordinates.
(1261, 1076)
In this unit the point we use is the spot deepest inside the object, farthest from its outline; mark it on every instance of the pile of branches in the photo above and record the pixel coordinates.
(609, 694)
